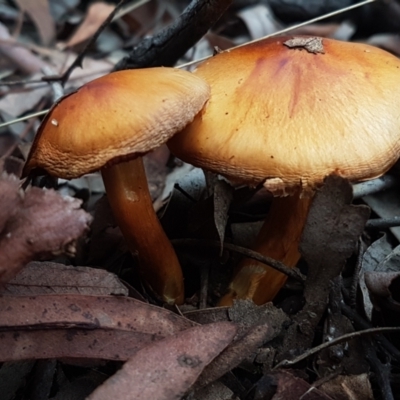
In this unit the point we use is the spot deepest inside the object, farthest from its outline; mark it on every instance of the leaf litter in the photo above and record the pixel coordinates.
(37, 223)
(70, 308)
(176, 362)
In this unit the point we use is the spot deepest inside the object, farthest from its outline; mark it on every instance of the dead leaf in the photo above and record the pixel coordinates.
(98, 344)
(373, 257)
(13, 376)
(259, 20)
(290, 387)
(247, 313)
(387, 41)
(223, 195)
(354, 387)
(213, 391)
(208, 315)
(386, 204)
(383, 287)
(242, 348)
(96, 15)
(9, 198)
(89, 312)
(39, 12)
(53, 278)
(348, 356)
(24, 99)
(21, 57)
(168, 368)
(257, 326)
(329, 238)
(41, 223)
(78, 326)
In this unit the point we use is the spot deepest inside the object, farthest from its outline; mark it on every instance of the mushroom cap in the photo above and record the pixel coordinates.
(287, 116)
(114, 118)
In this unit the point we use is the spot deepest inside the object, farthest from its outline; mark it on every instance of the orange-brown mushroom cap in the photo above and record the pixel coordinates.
(129, 113)
(288, 117)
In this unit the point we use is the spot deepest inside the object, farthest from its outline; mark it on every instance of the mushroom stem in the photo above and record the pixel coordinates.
(129, 197)
(279, 239)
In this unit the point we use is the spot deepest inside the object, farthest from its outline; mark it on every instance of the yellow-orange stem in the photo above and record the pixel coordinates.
(279, 239)
(130, 200)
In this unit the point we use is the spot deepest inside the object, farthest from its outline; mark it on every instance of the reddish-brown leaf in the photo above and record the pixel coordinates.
(96, 15)
(290, 387)
(77, 326)
(88, 312)
(52, 278)
(168, 368)
(105, 344)
(39, 11)
(35, 224)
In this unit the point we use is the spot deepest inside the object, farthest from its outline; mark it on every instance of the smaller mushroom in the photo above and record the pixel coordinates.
(107, 125)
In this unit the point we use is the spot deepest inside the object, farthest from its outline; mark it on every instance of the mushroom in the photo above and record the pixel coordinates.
(286, 112)
(107, 125)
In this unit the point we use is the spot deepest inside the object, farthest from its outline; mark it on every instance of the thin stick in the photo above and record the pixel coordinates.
(21, 119)
(340, 339)
(291, 272)
(79, 59)
(381, 223)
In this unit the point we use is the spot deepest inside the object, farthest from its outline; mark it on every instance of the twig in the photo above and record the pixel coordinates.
(381, 223)
(291, 272)
(340, 339)
(167, 46)
(79, 59)
(22, 82)
(360, 323)
(24, 118)
(375, 185)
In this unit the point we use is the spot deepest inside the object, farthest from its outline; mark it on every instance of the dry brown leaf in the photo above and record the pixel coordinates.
(168, 368)
(213, 391)
(39, 12)
(78, 326)
(329, 238)
(40, 223)
(103, 344)
(354, 387)
(290, 387)
(387, 41)
(96, 15)
(10, 198)
(223, 195)
(383, 285)
(88, 312)
(257, 326)
(21, 58)
(53, 278)
(25, 99)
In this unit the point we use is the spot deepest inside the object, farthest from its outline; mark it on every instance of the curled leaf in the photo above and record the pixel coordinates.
(36, 224)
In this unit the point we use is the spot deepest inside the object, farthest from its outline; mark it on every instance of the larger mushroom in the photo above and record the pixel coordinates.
(286, 112)
(107, 125)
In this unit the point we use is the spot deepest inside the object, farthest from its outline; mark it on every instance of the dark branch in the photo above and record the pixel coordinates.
(167, 46)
